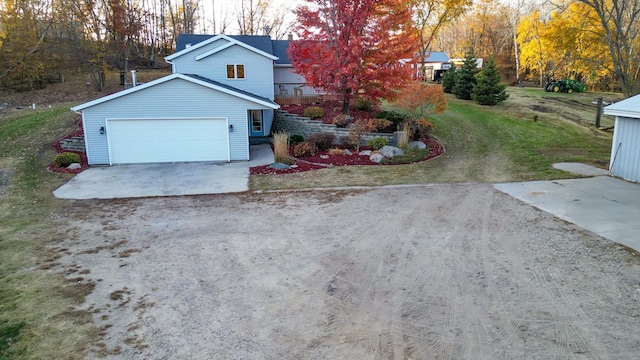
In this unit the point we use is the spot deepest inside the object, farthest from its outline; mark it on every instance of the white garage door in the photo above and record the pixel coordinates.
(167, 140)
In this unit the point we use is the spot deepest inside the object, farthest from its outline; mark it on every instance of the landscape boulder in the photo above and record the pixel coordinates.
(417, 145)
(376, 157)
(279, 166)
(391, 151)
(73, 166)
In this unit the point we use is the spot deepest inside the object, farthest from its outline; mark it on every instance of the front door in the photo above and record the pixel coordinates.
(256, 123)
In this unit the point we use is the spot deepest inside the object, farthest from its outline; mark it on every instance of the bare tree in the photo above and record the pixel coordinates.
(257, 17)
(621, 24)
(430, 16)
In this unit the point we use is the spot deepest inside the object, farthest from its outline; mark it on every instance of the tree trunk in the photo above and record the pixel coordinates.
(345, 105)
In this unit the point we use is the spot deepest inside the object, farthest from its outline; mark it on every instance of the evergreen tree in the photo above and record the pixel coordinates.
(488, 90)
(449, 79)
(466, 77)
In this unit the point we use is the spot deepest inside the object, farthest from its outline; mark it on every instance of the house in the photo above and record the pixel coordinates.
(220, 94)
(435, 64)
(625, 148)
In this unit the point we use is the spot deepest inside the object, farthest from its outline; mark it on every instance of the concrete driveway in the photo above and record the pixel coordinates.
(148, 180)
(607, 206)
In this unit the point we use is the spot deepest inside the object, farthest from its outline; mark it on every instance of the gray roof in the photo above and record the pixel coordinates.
(240, 91)
(280, 49)
(261, 42)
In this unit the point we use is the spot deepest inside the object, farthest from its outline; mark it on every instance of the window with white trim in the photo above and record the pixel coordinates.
(235, 71)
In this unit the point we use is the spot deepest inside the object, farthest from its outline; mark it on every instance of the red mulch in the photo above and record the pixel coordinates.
(84, 164)
(331, 110)
(317, 162)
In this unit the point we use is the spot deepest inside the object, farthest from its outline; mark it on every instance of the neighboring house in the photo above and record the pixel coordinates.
(625, 148)
(435, 64)
(220, 94)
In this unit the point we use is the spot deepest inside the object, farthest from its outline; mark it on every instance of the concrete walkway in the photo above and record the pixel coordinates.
(607, 206)
(148, 180)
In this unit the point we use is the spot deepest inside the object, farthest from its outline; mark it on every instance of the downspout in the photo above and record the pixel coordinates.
(615, 156)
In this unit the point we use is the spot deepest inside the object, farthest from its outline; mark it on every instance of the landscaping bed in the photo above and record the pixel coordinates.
(323, 160)
(84, 164)
(330, 110)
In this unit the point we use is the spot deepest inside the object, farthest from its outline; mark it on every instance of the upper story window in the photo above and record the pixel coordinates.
(235, 71)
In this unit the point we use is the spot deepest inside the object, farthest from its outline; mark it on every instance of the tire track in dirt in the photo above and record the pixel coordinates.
(489, 255)
(568, 334)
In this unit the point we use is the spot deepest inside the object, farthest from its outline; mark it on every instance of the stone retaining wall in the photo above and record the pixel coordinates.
(300, 125)
(75, 143)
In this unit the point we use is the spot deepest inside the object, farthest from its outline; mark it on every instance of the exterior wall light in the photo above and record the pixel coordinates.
(231, 128)
(102, 130)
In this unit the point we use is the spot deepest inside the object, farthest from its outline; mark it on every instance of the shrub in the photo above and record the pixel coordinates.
(419, 100)
(341, 120)
(362, 103)
(357, 131)
(322, 141)
(381, 125)
(65, 159)
(395, 117)
(304, 149)
(336, 151)
(281, 147)
(295, 139)
(346, 142)
(313, 112)
(421, 129)
(378, 143)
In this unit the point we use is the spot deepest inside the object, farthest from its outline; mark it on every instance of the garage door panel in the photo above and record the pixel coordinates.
(175, 140)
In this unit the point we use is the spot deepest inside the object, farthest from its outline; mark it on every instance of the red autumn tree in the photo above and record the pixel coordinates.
(354, 47)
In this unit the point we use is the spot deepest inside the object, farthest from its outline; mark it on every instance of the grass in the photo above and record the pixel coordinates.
(36, 318)
(281, 147)
(484, 144)
(409, 156)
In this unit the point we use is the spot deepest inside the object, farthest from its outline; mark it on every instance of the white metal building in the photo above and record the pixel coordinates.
(625, 149)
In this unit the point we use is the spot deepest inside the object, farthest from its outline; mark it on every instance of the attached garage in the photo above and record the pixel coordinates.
(625, 148)
(177, 118)
(134, 141)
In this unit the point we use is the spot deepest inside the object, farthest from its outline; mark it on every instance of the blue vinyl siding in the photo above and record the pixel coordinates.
(258, 68)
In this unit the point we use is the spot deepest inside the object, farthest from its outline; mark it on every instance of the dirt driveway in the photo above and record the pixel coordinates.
(430, 272)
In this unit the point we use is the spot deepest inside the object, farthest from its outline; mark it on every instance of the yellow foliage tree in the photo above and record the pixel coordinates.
(568, 43)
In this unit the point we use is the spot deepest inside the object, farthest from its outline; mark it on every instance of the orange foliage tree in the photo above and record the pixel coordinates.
(418, 100)
(354, 47)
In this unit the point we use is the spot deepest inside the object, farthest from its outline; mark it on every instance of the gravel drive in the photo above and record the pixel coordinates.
(427, 272)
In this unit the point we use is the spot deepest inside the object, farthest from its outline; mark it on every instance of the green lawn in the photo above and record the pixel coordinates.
(508, 142)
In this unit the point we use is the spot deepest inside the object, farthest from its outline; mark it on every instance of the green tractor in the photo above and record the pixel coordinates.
(564, 85)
